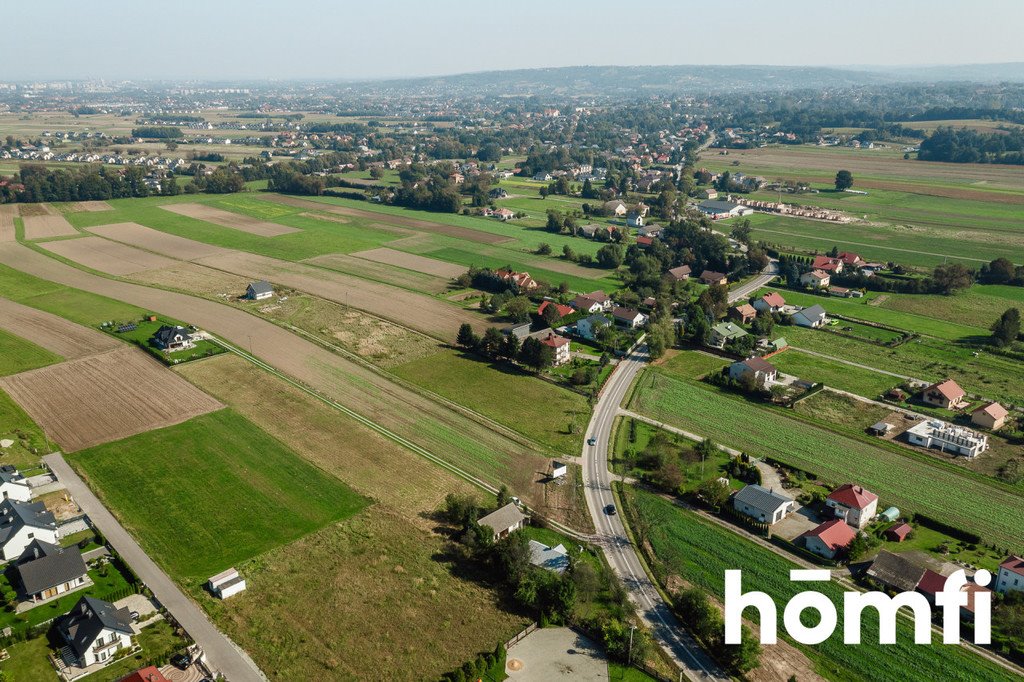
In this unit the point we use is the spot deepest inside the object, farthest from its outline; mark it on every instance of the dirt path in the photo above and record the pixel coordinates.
(55, 334)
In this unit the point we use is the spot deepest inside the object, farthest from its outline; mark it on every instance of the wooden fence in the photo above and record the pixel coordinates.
(515, 640)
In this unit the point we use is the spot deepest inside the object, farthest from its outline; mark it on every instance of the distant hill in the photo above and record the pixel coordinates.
(980, 73)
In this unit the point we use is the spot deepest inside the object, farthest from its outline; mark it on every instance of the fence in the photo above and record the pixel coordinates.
(515, 640)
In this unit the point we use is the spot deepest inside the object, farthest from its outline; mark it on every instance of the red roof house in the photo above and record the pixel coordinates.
(150, 674)
(830, 538)
(827, 264)
(899, 532)
(562, 310)
(850, 259)
(853, 503)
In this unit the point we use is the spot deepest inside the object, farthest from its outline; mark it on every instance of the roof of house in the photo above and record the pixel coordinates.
(948, 389)
(89, 618)
(598, 296)
(563, 310)
(812, 312)
(712, 275)
(167, 333)
(826, 263)
(150, 674)
(852, 496)
(645, 241)
(554, 559)
(774, 299)
(817, 274)
(584, 302)
(57, 566)
(554, 340)
(895, 571)
(1014, 564)
(759, 365)
(15, 515)
(627, 314)
(681, 271)
(761, 498)
(993, 409)
(715, 206)
(849, 258)
(931, 582)
(838, 290)
(746, 310)
(729, 330)
(503, 519)
(261, 287)
(10, 474)
(834, 534)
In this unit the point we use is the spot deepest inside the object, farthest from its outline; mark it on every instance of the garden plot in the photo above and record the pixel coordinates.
(106, 256)
(235, 221)
(157, 241)
(409, 261)
(42, 222)
(55, 334)
(105, 397)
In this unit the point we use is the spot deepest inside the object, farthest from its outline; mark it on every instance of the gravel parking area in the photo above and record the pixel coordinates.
(556, 653)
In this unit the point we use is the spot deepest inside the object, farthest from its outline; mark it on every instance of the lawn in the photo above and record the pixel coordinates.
(508, 395)
(142, 336)
(911, 481)
(30, 443)
(634, 436)
(700, 552)
(211, 492)
(979, 306)
(20, 355)
(835, 374)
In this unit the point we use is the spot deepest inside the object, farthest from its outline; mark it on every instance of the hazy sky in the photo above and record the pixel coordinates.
(253, 39)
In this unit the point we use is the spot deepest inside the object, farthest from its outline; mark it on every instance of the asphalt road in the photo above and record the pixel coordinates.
(221, 653)
(611, 534)
(746, 289)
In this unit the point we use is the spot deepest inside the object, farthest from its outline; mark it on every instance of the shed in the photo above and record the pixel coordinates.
(558, 469)
(259, 291)
(879, 428)
(890, 514)
(226, 584)
(899, 532)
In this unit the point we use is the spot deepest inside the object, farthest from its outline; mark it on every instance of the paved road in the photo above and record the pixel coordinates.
(611, 534)
(746, 289)
(221, 653)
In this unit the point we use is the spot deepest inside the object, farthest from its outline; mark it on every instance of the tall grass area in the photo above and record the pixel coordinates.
(700, 552)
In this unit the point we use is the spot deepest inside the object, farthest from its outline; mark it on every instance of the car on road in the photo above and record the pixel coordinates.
(610, 510)
(591, 441)
(181, 661)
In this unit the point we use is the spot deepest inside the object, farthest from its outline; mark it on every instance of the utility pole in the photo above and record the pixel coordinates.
(629, 656)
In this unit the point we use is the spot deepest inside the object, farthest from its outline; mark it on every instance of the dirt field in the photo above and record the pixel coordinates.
(7, 213)
(105, 397)
(55, 334)
(194, 279)
(235, 221)
(42, 222)
(400, 277)
(91, 206)
(409, 261)
(416, 311)
(106, 256)
(155, 240)
(389, 220)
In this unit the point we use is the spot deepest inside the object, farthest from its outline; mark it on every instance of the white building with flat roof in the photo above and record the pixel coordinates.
(933, 433)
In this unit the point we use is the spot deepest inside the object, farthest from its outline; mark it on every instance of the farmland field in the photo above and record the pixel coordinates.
(235, 221)
(30, 443)
(19, 355)
(903, 480)
(106, 256)
(844, 377)
(211, 492)
(979, 306)
(42, 221)
(700, 552)
(72, 304)
(105, 397)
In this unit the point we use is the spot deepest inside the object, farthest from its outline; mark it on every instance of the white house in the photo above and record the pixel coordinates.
(14, 486)
(853, 504)
(829, 538)
(1011, 576)
(628, 318)
(259, 291)
(817, 279)
(504, 521)
(771, 302)
(761, 504)
(226, 584)
(558, 469)
(96, 630)
(635, 219)
(762, 370)
(933, 433)
(554, 559)
(170, 339)
(21, 523)
(560, 346)
(46, 571)
(812, 317)
(588, 327)
(585, 304)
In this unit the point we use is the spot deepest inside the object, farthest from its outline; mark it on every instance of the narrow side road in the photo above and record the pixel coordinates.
(221, 653)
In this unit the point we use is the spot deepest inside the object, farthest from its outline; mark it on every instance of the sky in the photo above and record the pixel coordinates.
(368, 39)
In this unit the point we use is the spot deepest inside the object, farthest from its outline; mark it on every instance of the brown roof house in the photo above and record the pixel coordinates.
(743, 313)
(763, 371)
(680, 273)
(945, 394)
(991, 416)
(712, 278)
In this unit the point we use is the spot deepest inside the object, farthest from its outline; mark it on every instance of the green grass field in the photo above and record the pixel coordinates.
(206, 494)
(142, 336)
(19, 355)
(979, 306)
(29, 441)
(514, 398)
(72, 304)
(700, 552)
(835, 374)
(910, 482)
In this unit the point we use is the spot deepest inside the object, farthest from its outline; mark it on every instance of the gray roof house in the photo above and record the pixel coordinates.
(13, 484)
(504, 520)
(895, 572)
(257, 291)
(47, 570)
(88, 622)
(554, 559)
(20, 523)
(172, 338)
(813, 316)
(761, 504)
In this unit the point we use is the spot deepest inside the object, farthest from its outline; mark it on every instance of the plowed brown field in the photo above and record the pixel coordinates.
(106, 256)
(410, 261)
(42, 222)
(235, 221)
(155, 240)
(7, 213)
(55, 334)
(91, 206)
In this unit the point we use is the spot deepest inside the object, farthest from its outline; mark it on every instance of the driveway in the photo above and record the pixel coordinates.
(556, 653)
(796, 524)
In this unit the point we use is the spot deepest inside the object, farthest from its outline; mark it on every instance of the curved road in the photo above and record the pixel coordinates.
(610, 533)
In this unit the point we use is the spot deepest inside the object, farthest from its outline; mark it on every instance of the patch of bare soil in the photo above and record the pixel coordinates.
(157, 241)
(106, 256)
(55, 334)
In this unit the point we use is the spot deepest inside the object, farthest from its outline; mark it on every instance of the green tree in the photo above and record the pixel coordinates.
(1000, 271)
(466, 337)
(844, 180)
(519, 309)
(610, 256)
(512, 557)
(504, 497)
(491, 342)
(1006, 329)
(950, 278)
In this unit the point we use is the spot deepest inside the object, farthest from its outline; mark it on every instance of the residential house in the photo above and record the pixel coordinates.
(589, 327)
(829, 538)
(712, 278)
(945, 394)
(708, 194)
(932, 583)
(763, 371)
(991, 416)
(147, 674)
(771, 302)
(894, 572)
(20, 524)
(46, 570)
(761, 504)
(723, 209)
(226, 584)
(498, 193)
(723, 332)
(562, 310)
(602, 298)
(843, 292)
(628, 318)
(853, 504)
(171, 339)
(504, 214)
(650, 230)
(542, 176)
(816, 279)
(554, 559)
(615, 208)
(95, 631)
(560, 346)
(898, 532)
(1010, 577)
(635, 219)
(680, 274)
(519, 281)
(585, 304)
(851, 260)
(833, 266)
(645, 242)
(812, 317)
(13, 485)
(743, 313)
(504, 520)
(934, 433)
(259, 291)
